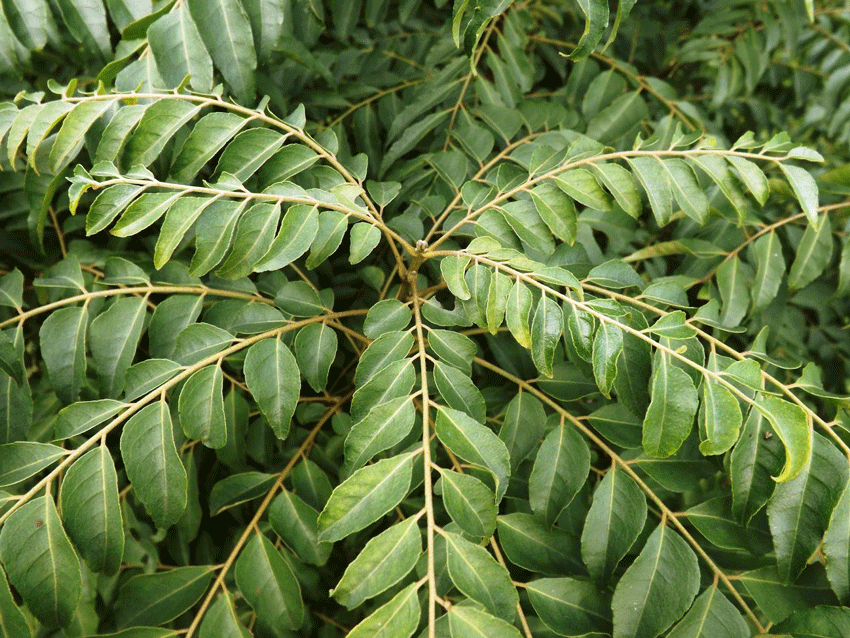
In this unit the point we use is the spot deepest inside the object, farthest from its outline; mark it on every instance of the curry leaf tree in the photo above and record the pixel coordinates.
(418, 318)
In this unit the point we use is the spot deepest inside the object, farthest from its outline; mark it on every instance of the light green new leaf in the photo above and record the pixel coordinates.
(711, 616)
(470, 503)
(82, 416)
(469, 622)
(268, 584)
(63, 347)
(530, 543)
(237, 489)
(220, 621)
(800, 509)
(384, 561)
(315, 351)
(657, 588)
(153, 465)
(272, 376)
(296, 523)
(384, 426)
(160, 121)
(805, 189)
(91, 510)
(254, 236)
(546, 329)
(332, 227)
(13, 624)
(21, 459)
(177, 47)
(719, 418)
(226, 32)
(398, 618)
(113, 338)
(596, 20)
(813, 254)
(560, 469)
(794, 428)
(201, 407)
(365, 496)
(613, 524)
(208, 136)
(154, 599)
(476, 444)
(570, 607)
(836, 547)
(522, 429)
(517, 313)
(41, 563)
(655, 181)
(71, 136)
(478, 576)
(459, 392)
(607, 346)
(670, 416)
(581, 185)
(298, 229)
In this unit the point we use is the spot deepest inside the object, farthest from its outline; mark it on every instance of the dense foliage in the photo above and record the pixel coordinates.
(382, 319)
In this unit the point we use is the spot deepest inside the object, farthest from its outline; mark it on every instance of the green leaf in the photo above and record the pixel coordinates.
(613, 524)
(383, 427)
(651, 174)
(269, 585)
(607, 346)
(365, 496)
(779, 599)
(470, 503)
(143, 212)
(478, 576)
(615, 274)
(267, 20)
(220, 621)
(315, 351)
(657, 588)
(497, 301)
(546, 329)
(170, 318)
(836, 547)
(771, 267)
(522, 429)
(159, 123)
(517, 313)
(813, 254)
(201, 407)
(817, 622)
(332, 227)
(364, 238)
(475, 444)
(117, 132)
(524, 220)
(620, 184)
(717, 169)
(91, 511)
(469, 622)
(393, 381)
(570, 607)
(793, 427)
(14, 624)
(719, 418)
(385, 316)
(147, 375)
(71, 136)
(23, 459)
(296, 523)
(455, 349)
(756, 459)
(452, 269)
(596, 20)
(671, 412)
(619, 118)
(383, 562)
(198, 341)
(63, 344)
(12, 289)
(248, 151)
(686, 188)
(711, 615)
(87, 23)
(560, 469)
(110, 203)
(287, 162)
(805, 189)
(529, 543)
(237, 489)
(82, 416)
(397, 618)
(752, 176)
(176, 45)
(226, 32)
(153, 465)
(208, 137)
(459, 392)
(41, 563)
(154, 599)
(298, 229)
(180, 217)
(272, 376)
(800, 509)
(113, 338)
(411, 136)
(31, 22)
(581, 185)
(556, 210)
(254, 237)
(617, 424)
(389, 348)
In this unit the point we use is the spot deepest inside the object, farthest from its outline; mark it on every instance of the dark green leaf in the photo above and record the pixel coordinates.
(154, 599)
(63, 343)
(296, 523)
(470, 503)
(670, 416)
(570, 607)
(272, 376)
(22, 459)
(560, 469)
(397, 618)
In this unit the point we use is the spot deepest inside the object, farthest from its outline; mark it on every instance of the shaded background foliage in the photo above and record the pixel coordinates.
(266, 262)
